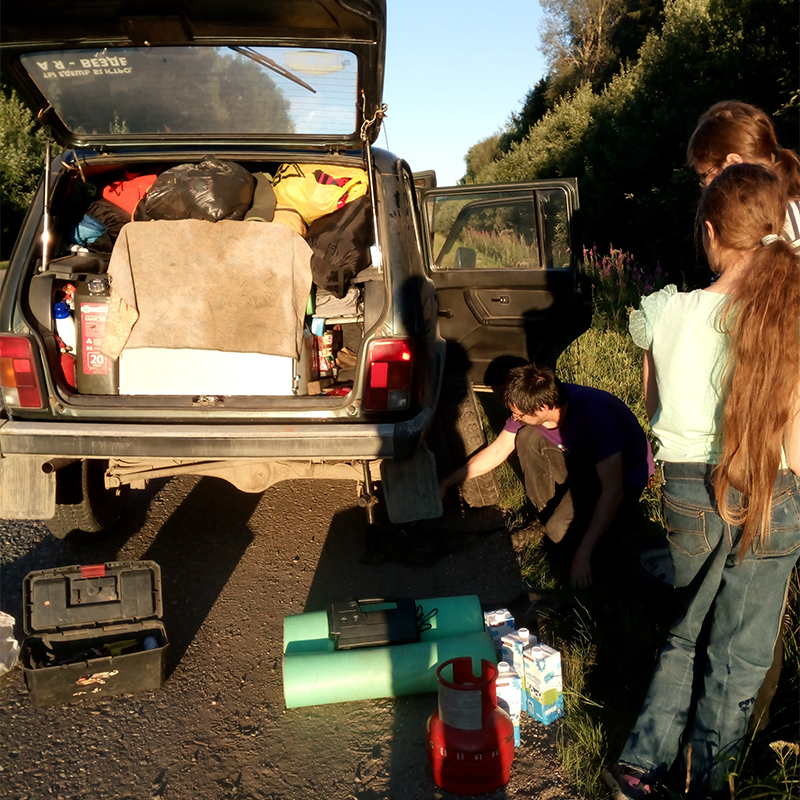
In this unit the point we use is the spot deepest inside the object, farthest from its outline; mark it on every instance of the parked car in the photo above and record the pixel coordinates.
(450, 279)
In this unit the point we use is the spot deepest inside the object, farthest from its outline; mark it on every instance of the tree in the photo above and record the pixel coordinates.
(576, 38)
(480, 155)
(537, 104)
(22, 144)
(566, 38)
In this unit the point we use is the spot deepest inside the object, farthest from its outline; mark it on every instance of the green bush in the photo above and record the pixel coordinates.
(22, 144)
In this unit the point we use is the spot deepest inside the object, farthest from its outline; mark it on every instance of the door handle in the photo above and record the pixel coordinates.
(503, 300)
(446, 313)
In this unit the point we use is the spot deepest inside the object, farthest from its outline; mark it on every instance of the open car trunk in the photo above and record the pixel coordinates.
(194, 313)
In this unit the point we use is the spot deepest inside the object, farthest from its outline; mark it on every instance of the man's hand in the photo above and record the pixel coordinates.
(609, 473)
(484, 460)
(581, 572)
(445, 484)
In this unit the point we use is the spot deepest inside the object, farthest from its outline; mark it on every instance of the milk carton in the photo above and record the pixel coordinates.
(498, 623)
(512, 647)
(509, 695)
(543, 686)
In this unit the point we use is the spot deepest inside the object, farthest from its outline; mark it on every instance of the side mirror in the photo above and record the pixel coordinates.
(466, 258)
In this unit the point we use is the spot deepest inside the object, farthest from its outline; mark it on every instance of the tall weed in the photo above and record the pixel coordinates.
(618, 284)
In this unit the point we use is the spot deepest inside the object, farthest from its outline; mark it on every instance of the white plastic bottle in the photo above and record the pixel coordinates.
(65, 326)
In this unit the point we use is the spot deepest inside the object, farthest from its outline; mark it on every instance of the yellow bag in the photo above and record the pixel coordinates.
(290, 218)
(315, 190)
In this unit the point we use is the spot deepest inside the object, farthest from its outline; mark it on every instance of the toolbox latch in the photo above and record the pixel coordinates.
(93, 571)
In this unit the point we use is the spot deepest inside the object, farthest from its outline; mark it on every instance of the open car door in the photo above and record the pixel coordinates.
(507, 267)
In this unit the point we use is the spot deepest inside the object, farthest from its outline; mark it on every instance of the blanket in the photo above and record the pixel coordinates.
(228, 285)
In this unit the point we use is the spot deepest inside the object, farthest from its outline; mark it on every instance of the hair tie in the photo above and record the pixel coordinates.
(770, 238)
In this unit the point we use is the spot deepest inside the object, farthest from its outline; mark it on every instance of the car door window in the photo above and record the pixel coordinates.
(500, 230)
(555, 227)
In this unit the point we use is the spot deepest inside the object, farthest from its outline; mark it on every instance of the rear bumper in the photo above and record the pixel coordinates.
(336, 441)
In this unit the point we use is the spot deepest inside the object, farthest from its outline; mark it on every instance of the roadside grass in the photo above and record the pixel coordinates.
(609, 635)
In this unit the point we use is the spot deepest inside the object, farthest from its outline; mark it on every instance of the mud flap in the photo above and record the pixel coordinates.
(411, 487)
(26, 492)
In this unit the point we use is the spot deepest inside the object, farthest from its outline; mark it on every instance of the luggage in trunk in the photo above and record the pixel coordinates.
(207, 308)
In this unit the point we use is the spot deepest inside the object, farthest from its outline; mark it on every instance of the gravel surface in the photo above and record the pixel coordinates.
(233, 566)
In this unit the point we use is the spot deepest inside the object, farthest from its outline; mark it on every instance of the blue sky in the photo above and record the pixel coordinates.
(455, 71)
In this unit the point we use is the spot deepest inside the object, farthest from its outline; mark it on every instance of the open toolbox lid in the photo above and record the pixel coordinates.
(77, 597)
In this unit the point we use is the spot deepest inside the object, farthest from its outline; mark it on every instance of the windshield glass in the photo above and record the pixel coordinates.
(199, 90)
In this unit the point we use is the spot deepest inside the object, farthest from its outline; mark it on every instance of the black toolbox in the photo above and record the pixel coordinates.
(93, 631)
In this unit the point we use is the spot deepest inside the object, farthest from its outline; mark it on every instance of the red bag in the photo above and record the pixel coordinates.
(126, 193)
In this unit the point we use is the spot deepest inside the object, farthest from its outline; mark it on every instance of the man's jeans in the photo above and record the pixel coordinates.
(741, 605)
(563, 486)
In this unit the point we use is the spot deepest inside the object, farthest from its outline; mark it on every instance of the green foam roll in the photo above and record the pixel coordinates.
(338, 676)
(455, 616)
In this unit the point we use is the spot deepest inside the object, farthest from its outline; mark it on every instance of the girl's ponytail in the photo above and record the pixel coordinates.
(746, 206)
(787, 165)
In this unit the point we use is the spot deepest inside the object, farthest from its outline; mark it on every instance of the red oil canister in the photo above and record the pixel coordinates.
(470, 739)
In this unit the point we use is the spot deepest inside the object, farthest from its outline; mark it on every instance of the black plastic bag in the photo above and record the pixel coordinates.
(340, 245)
(211, 190)
(111, 215)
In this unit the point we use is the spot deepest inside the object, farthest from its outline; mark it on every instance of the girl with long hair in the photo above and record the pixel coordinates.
(722, 388)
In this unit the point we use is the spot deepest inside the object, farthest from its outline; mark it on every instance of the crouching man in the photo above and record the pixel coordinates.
(584, 456)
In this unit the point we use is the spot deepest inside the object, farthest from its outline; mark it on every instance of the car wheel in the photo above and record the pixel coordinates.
(82, 501)
(459, 433)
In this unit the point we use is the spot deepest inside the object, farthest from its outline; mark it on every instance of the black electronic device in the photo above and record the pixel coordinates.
(370, 623)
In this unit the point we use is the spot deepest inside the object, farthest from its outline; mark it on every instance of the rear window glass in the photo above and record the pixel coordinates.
(199, 90)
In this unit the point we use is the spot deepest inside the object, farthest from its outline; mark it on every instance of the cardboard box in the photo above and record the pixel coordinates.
(93, 631)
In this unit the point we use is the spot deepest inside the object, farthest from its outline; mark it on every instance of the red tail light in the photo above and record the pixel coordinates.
(18, 377)
(389, 375)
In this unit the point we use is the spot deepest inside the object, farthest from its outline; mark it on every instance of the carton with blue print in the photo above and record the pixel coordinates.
(512, 647)
(498, 623)
(509, 695)
(543, 684)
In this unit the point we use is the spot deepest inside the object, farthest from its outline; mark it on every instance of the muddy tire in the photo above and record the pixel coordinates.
(458, 434)
(82, 501)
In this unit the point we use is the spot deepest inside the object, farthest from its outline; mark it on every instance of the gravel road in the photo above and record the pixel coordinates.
(233, 566)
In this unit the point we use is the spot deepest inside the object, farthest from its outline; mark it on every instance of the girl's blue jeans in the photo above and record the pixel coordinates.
(700, 698)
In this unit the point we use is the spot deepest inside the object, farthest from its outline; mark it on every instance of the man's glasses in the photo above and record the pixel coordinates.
(517, 417)
(708, 176)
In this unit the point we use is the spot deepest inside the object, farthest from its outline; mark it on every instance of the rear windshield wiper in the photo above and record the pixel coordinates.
(273, 65)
